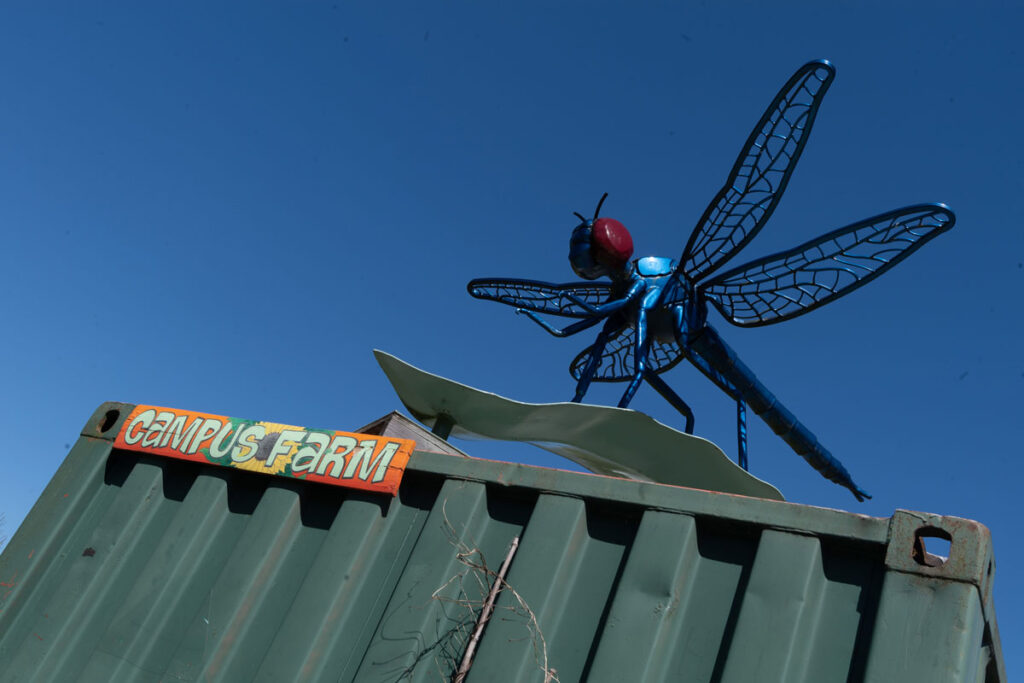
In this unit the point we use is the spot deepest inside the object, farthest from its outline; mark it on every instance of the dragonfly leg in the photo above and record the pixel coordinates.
(634, 384)
(682, 338)
(741, 406)
(565, 331)
(741, 433)
(672, 397)
(641, 345)
(596, 351)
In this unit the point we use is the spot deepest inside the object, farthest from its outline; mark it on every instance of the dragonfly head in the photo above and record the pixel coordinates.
(600, 246)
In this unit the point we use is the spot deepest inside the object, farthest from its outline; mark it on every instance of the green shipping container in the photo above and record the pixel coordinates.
(135, 567)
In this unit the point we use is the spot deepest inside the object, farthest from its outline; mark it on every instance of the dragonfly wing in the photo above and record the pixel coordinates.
(616, 364)
(791, 283)
(760, 174)
(541, 297)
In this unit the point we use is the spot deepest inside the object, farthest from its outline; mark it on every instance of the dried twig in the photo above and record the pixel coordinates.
(485, 615)
(490, 583)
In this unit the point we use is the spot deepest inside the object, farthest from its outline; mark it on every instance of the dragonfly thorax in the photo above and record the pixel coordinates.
(674, 309)
(654, 266)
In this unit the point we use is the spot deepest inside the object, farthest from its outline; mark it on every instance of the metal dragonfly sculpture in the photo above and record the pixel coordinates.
(655, 309)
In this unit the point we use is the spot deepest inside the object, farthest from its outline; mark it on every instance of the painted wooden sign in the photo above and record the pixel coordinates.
(362, 461)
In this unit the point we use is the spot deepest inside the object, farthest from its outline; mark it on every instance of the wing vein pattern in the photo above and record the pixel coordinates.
(791, 283)
(760, 174)
(542, 297)
(616, 362)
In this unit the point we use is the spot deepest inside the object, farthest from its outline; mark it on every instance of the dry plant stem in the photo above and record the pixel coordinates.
(481, 573)
(485, 614)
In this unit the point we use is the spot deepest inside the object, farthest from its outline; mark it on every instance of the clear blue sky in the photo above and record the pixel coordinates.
(226, 207)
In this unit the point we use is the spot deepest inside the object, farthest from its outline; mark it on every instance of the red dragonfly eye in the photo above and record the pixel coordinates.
(612, 243)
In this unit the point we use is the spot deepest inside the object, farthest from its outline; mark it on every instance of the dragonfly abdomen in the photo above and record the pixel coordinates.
(724, 361)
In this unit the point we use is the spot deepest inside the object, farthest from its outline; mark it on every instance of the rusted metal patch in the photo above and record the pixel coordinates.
(351, 460)
(970, 548)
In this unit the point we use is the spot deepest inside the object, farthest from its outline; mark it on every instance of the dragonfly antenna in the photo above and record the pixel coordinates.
(597, 211)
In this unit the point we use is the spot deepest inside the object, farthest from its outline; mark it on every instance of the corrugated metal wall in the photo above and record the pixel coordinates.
(134, 568)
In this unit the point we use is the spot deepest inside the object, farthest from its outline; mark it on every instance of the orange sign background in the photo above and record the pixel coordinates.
(362, 461)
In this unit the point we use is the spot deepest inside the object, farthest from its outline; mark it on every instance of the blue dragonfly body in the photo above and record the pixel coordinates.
(654, 311)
